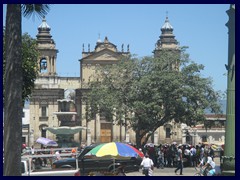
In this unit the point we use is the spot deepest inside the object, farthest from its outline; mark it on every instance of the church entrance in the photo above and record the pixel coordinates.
(106, 131)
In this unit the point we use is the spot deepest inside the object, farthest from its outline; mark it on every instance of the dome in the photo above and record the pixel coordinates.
(99, 41)
(44, 25)
(167, 24)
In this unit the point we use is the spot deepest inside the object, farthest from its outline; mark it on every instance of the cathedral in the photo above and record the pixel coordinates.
(58, 107)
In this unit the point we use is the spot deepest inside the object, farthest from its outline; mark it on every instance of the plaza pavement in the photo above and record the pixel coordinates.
(169, 171)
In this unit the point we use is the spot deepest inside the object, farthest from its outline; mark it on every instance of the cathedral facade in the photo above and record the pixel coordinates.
(52, 91)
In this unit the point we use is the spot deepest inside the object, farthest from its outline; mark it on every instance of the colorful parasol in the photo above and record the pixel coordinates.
(115, 149)
(46, 142)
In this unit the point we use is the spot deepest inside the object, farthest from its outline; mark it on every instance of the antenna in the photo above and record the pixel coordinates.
(166, 14)
(99, 40)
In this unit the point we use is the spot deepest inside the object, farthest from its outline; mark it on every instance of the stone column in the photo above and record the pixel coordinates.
(228, 165)
(54, 65)
(98, 128)
(155, 137)
(31, 138)
(49, 65)
(89, 139)
(127, 137)
(48, 59)
(184, 139)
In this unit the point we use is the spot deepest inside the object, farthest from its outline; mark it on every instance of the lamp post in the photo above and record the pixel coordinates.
(229, 148)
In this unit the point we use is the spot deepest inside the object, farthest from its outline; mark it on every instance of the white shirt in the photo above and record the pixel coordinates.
(147, 162)
(187, 152)
(179, 158)
(32, 151)
(58, 155)
(193, 151)
(209, 161)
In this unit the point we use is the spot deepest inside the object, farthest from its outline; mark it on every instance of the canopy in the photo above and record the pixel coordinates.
(115, 150)
(65, 129)
(46, 142)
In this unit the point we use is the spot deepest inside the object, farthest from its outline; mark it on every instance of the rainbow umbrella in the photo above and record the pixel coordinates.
(115, 149)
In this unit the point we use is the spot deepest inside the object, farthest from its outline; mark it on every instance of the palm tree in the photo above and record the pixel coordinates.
(13, 84)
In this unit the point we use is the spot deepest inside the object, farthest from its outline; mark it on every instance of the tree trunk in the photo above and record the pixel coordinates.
(13, 92)
(138, 139)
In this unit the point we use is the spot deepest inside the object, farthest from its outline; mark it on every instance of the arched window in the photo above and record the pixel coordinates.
(43, 65)
(168, 130)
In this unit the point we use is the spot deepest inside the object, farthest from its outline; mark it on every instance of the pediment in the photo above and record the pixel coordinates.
(104, 55)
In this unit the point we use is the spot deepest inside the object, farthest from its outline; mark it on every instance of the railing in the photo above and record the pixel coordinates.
(30, 157)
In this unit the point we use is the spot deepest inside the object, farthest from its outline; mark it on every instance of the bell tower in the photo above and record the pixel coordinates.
(167, 44)
(48, 51)
(167, 39)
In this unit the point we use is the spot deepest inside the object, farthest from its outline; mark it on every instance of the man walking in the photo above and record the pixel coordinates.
(179, 160)
(147, 165)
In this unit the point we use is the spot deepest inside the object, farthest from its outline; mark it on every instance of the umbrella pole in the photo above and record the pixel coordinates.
(113, 164)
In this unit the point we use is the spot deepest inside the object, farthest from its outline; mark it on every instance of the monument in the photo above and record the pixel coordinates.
(69, 124)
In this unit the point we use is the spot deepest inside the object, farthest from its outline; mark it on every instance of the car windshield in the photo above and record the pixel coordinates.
(86, 150)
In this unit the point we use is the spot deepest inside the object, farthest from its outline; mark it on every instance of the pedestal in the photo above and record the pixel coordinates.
(228, 166)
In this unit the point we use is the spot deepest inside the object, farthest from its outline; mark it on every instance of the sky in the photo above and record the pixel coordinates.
(201, 27)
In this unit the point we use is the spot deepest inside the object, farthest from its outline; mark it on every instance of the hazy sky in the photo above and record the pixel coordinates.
(200, 27)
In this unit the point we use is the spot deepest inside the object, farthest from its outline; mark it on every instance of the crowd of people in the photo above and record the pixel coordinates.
(177, 156)
(165, 155)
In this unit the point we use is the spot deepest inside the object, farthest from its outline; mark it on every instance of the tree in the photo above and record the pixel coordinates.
(30, 56)
(13, 85)
(153, 91)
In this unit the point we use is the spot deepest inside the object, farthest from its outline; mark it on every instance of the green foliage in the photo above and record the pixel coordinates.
(30, 66)
(30, 56)
(29, 10)
(152, 91)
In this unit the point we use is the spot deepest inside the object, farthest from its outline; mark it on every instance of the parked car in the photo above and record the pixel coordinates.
(90, 163)
(28, 168)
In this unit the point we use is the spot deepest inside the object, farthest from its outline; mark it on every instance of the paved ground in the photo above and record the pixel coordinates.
(188, 171)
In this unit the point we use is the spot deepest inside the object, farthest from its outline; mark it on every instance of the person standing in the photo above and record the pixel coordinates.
(58, 157)
(202, 148)
(32, 150)
(193, 151)
(74, 152)
(179, 160)
(147, 165)
(211, 152)
(160, 158)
